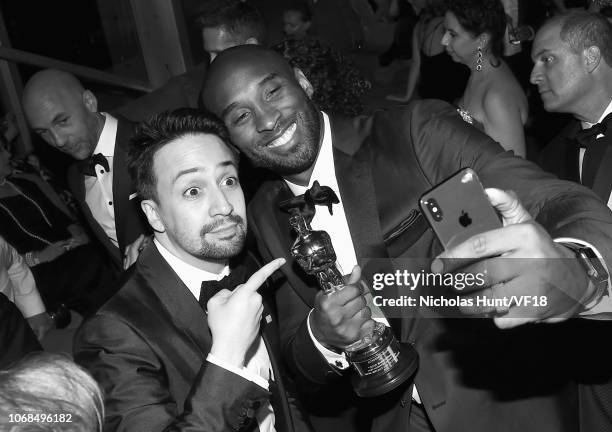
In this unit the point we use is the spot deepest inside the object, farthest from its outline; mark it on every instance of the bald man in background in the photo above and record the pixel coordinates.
(66, 116)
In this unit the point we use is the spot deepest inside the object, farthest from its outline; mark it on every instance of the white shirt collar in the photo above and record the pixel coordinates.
(323, 170)
(190, 275)
(106, 142)
(608, 110)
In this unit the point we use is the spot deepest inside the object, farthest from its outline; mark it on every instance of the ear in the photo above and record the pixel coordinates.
(252, 41)
(149, 207)
(303, 81)
(90, 101)
(592, 58)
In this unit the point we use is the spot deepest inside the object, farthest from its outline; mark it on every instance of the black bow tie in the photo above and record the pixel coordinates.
(585, 137)
(88, 166)
(211, 287)
(316, 195)
(595, 149)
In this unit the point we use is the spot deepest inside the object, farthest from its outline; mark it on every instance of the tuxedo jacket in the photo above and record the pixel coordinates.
(147, 347)
(129, 220)
(471, 375)
(561, 157)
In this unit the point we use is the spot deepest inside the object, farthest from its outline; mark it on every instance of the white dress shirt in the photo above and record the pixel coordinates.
(17, 282)
(99, 189)
(258, 368)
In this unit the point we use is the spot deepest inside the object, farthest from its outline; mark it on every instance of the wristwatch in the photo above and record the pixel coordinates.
(595, 270)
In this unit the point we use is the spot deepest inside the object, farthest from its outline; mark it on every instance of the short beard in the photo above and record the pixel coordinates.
(225, 249)
(305, 154)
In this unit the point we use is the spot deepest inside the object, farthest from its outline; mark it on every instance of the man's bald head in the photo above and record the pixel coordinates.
(266, 107)
(50, 80)
(62, 112)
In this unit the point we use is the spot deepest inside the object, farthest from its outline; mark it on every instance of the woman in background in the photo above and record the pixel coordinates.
(433, 74)
(493, 99)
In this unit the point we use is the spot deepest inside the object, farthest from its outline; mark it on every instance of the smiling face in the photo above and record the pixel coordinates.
(559, 72)
(266, 109)
(199, 212)
(460, 44)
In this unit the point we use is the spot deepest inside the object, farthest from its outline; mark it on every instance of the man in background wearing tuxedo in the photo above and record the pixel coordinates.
(66, 116)
(572, 56)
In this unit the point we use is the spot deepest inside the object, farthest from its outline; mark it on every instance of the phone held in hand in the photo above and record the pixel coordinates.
(458, 208)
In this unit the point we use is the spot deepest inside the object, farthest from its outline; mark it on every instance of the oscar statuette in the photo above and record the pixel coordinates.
(380, 362)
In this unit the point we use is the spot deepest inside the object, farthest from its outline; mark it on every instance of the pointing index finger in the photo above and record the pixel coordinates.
(260, 276)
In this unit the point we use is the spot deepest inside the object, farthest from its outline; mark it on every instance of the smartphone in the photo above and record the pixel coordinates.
(458, 208)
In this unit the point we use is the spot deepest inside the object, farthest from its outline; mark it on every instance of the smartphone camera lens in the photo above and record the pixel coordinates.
(434, 209)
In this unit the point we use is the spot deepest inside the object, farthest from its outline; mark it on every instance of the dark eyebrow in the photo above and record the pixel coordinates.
(231, 106)
(228, 109)
(228, 163)
(539, 53)
(268, 77)
(58, 117)
(196, 169)
(183, 172)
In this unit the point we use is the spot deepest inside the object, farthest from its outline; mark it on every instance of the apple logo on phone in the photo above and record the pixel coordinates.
(465, 219)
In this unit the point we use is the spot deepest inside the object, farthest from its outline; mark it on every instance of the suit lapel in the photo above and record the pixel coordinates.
(77, 184)
(271, 338)
(127, 226)
(602, 185)
(354, 176)
(358, 197)
(572, 153)
(181, 305)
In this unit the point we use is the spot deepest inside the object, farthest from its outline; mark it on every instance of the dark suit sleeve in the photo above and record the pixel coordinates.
(130, 221)
(444, 143)
(136, 387)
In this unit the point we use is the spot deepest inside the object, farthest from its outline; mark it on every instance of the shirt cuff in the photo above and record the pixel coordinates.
(243, 372)
(602, 305)
(335, 359)
(30, 305)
